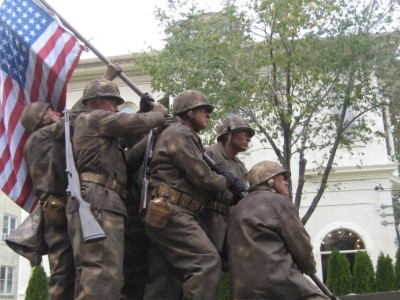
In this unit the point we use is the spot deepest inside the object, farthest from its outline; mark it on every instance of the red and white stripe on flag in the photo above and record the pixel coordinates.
(37, 58)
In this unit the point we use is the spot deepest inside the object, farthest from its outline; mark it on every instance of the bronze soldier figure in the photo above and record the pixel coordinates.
(42, 153)
(233, 136)
(137, 245)
(182, 256)
(100, 162)
(268, 246)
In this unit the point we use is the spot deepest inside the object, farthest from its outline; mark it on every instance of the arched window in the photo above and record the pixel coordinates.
(346, 240)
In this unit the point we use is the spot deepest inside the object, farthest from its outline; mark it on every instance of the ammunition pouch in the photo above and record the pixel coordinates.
(158, 212)
(54, 211)
(219, 207)
(179, 198)
(105, 181)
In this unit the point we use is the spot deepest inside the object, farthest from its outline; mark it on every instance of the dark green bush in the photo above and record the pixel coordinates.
(224, 293)
(37, 286)
(384, 274)
(338, 276)
(363, 277)
(397, 270)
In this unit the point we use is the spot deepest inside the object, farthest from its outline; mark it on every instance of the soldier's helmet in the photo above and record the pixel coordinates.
(101, 88)
(33, 114)
(264, 171)
(232, 124)
(190, 99)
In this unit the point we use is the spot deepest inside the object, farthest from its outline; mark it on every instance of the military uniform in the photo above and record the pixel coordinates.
(180, 247)
(44, 153)
(100, 163)
(214, 216)
(269, 248)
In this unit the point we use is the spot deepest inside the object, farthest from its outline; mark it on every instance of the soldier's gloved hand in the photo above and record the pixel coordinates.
(112, 71)
(218, 168)
(234, 183)
(168, 120)
(144, 103)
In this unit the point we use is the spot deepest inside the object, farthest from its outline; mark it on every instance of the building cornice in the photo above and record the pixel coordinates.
(359, 172)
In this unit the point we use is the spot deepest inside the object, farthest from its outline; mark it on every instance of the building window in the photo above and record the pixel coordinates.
(348, 242)
(9, 224)
(6, 280)
(349, 133)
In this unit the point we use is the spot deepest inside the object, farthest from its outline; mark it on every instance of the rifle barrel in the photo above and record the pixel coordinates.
(323, 287)
(211, 162)
(91, 229)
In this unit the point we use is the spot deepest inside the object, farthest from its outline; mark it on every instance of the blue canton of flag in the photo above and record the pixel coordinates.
(37, 58)
(21, 25)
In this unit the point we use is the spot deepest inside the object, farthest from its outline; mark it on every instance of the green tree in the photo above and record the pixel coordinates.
(397, 270)
(299, 70)
(363, 277)
(338, 276)
(385, 277)
(37, 286)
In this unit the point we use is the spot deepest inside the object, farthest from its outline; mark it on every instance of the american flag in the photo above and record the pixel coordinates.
(37, 58)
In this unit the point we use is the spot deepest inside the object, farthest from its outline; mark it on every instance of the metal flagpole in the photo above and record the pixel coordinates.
(92, 48)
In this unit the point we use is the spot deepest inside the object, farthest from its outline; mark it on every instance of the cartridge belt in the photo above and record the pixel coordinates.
(219, 207)
(105, 181)
(179, 198)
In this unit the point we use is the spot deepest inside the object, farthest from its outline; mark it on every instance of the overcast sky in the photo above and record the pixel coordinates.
(116, 27)
(113, 26)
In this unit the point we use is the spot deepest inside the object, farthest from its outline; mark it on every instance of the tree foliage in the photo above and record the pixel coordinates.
(301, 71)
(363, 277)
(338, 276)
(384, 274)
(37, 286)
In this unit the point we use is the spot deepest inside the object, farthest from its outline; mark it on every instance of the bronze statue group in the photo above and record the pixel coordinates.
(196, 223)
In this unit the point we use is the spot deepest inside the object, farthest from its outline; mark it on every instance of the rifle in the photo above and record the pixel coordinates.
(145, 180)
(91, 229)
(211, 162)
(323, 287)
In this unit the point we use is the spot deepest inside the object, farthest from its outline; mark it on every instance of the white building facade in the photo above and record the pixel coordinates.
(14, 269)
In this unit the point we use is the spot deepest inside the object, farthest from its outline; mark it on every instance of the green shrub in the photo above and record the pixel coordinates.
(384, 274)
(37, 286)
(397, 270)
(224, 293)
(338, 276)
(363, 277)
